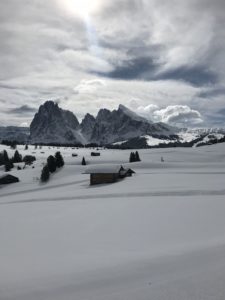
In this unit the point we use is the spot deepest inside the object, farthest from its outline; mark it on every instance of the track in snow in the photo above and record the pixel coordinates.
(185, 193)
(43, 188)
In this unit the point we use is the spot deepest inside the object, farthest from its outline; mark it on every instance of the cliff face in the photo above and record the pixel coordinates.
(53, 124)
(123, 124)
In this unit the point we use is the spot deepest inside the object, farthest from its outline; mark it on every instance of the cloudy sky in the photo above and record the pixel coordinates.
(163, 59)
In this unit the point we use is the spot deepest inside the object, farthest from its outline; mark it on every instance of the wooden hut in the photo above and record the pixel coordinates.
(95, 153)
(107, 173)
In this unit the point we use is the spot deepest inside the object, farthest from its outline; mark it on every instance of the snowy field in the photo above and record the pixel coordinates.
(158, 235)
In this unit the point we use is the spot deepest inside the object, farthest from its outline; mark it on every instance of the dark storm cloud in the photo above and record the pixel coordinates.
(24, 109)
(141, 68)
(196, 75)
(215, 119)
(201, 72)
(144, 68)
(212, 93)
(222, 112)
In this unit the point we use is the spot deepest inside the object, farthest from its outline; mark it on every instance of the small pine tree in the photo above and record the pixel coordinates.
(26, 147)
(51, 162)
(11, 163)
(8, 166)
(83, 162)
(132, 157)
(1, 159)
(5, 157)
(45, 174)
(137, 157)
(59, 160)
(17, 158)
(13, 145)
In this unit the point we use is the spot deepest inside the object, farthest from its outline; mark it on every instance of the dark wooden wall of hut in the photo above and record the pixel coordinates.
(103, 178)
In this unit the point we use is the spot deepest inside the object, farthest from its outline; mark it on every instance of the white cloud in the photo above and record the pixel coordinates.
(89, 86)
(24, 124)
(179, 115)
(148, 110)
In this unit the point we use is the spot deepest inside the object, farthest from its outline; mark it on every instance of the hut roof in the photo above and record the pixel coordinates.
(125, 171)
(103, 169)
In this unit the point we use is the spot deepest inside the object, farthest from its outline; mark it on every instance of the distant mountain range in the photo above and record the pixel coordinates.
(55, 125)
(11, 133)
(121, 128)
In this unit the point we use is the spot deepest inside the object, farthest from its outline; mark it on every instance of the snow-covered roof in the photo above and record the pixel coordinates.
(103, 169)
(125, 171)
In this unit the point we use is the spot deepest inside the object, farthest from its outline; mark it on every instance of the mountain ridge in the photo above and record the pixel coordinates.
(53, 124)
(121, 128)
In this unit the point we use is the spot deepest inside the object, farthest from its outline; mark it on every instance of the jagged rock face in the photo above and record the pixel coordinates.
(123, 124)
(52, 124)
(87, 126)
(70, 119)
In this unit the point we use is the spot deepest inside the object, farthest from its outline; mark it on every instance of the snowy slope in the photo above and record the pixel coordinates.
(209, 138)
(157, 235)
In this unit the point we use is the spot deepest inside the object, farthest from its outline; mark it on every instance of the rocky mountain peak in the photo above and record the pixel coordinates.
(88, 117)
(49, 107)
(103, 115)
(87, 126)
(54, 124)
(125, 110)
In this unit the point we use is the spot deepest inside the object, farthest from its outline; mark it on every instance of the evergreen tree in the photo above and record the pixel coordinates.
(1, 159)
(137, 157)
(51, 162)
(132, 157)
(59, 160)
(26, 147)
(8, 166)
(29, 159)
(5, 157)
(83, 162)
(11, 163)
(45, 174)
(13, 145)
(17, 158)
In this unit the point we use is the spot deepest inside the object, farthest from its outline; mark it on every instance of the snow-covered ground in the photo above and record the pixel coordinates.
(157, 235)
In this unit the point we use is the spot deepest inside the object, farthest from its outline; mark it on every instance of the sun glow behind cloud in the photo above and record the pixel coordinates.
(85, 10)
(81, 8)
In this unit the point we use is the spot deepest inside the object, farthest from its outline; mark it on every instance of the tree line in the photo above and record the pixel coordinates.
(134, 157)
(52, 164)
(17, 158)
